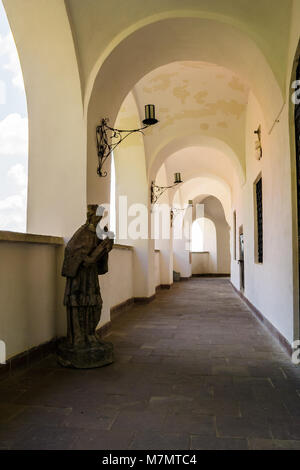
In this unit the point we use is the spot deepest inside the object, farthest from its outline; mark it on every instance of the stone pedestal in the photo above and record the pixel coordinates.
(98, 354)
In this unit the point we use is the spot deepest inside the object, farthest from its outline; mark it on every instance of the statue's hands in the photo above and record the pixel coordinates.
(88, 260)
(103, 248)
(107, 244)
(110, 244)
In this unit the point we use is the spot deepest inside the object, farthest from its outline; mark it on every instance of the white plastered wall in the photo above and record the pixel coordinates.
(268, 286)
(132, 187)
(36, 315)
(121, 280)
(213, 210)
(161, 221)
(157, 268)
(181, 242)
(201, 263)
(28, 301)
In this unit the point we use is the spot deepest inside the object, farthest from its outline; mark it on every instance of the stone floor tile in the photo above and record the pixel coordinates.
(41, 415)
(148, 440)
(215, 443)
(189, 422)
(269, 444)
(102, 440)
(91, 418)
(47, 438)
(132, 420)
(8, 411)
(228, 426)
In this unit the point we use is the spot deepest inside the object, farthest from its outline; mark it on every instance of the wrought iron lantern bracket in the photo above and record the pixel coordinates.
(258, 143)
(158, 191)
(176, 210)
(106, 145)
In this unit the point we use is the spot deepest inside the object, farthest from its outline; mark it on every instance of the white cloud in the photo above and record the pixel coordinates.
(13, 212)
(12, 202)
(2, 92)
(13, 143)
(8, 48)
(14, 136)
(13, 208)
(4, 44)
(18, 175)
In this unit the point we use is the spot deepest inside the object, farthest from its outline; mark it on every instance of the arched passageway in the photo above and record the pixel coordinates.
(251, 77)
(219, 75)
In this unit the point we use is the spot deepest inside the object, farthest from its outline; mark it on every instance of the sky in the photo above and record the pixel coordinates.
(13, 134)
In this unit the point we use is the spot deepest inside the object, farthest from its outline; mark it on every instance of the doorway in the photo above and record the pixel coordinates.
(241, 259)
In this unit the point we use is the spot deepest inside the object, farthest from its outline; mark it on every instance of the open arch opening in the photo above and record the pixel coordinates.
(199, 144)
(204, 247)
(13, 134)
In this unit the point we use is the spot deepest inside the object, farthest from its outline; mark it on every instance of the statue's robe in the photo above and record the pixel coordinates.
(82, 293)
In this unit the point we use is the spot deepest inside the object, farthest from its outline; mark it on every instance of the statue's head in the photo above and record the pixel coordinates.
(94, 214)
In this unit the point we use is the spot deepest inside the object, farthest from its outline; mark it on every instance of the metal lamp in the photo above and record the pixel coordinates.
(157, 191)
(106, 145)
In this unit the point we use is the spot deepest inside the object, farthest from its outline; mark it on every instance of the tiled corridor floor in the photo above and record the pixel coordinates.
(193, 370)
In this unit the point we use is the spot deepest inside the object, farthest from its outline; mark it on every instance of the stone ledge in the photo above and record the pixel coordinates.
(17, 237)
(211, 275)
(117, 246)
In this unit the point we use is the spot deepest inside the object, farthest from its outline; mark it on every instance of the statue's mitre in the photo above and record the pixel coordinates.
(95, 209)
(92, 209)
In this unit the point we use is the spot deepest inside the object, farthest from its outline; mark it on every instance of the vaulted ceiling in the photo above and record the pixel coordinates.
(195, 98)
(98, 25)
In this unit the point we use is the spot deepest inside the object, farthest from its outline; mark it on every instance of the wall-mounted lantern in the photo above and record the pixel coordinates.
(258, 144)
(157, 191)
(106, 145)
(174, 211)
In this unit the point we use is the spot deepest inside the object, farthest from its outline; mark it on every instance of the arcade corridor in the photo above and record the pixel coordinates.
(193, 370)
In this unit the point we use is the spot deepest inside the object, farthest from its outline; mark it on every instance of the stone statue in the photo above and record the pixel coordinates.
(86, 257)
